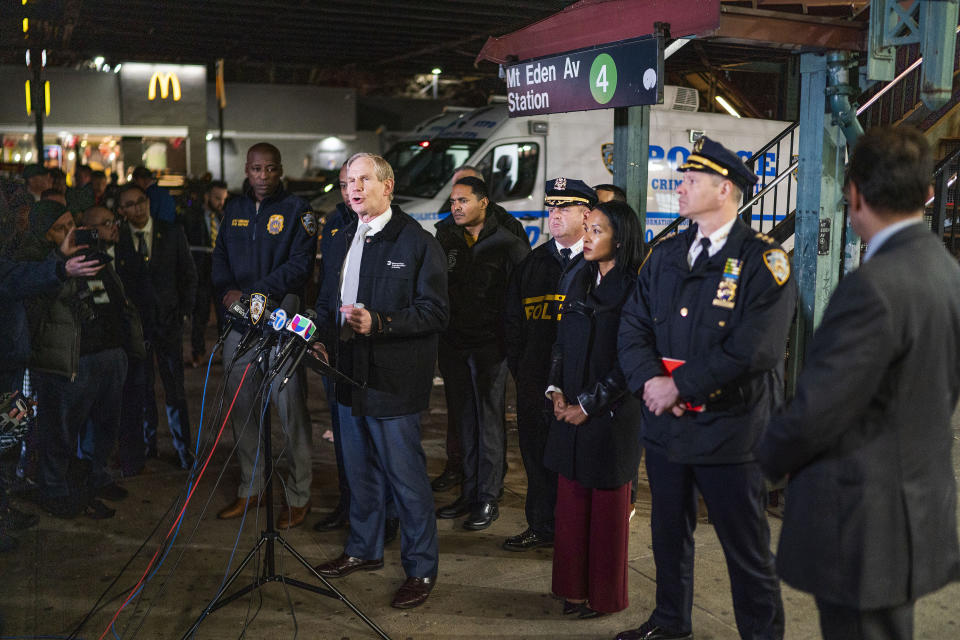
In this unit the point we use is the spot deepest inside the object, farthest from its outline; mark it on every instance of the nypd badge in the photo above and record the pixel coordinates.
(309, 221)
(258, 302)
(560, 184)
(778, 264)
(275, 224)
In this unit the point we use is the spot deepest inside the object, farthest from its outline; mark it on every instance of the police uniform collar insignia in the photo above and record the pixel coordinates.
(726, 297)
(309, 221)
(778, 264)
(275, 224)
(258, 303)
(560, 184)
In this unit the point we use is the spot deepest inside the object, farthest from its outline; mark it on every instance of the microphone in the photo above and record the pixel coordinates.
(277, 322)
(259, 304)
(303, 327)
(237, 314)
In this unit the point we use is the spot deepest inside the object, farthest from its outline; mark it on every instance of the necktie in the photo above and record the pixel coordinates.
(351, 276)
(142, 245)
(565, 256)
(214, 228)
(704, 254)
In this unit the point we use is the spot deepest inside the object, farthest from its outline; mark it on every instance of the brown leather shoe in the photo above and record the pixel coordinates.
(235, 510)
(413, 593)
(345, 565)
(291, 517)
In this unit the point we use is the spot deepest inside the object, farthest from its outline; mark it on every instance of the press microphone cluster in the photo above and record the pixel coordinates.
(304, 332)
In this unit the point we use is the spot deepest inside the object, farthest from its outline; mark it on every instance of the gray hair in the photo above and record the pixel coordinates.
(381, 168)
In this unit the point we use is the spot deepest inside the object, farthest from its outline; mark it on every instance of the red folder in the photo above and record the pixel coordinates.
(669, 365)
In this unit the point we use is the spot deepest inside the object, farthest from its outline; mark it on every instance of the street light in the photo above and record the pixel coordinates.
(436, 71)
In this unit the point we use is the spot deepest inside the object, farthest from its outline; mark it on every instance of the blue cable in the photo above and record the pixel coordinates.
(256, 459)
(189, 487)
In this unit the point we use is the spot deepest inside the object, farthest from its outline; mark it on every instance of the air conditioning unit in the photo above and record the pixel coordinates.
(679, 99)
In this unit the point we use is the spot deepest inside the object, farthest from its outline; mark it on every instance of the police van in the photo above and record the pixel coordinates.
(518, 155)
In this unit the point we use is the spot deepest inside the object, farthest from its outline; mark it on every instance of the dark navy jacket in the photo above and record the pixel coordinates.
(477, 278)
(337, 220)
(733, 356)
(532, 315)
(271, 251)
(403, 283)
(20, 280)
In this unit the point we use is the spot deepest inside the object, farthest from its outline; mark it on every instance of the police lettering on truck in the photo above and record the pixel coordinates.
(518, 155)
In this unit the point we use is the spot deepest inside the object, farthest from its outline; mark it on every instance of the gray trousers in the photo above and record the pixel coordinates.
(291, 403)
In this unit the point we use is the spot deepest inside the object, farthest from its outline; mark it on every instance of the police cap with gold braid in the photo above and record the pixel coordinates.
(713, 157)
(564, 191)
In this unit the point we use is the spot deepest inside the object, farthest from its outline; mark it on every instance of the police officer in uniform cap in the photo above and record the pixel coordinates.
(702, 340)
(534, 296)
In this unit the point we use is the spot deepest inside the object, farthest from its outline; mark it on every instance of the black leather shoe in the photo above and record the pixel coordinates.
(112, 492)
(527, 540)
(457, 508)
(447, 480)
(390, 529)
(482, 516)
(650, 631)
(336, 519)
(345, 565)
(413, 593)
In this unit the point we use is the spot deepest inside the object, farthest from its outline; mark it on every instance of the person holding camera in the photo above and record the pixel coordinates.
(77, 358)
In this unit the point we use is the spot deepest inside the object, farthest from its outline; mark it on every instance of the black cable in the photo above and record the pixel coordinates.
(189, 538)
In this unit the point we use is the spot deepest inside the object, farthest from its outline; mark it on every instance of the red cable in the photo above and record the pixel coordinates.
(182, 510)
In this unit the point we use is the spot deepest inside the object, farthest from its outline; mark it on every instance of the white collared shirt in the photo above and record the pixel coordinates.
(885, 234)
(376, 226)
(147, 235)
(575, 249)
(717, 239)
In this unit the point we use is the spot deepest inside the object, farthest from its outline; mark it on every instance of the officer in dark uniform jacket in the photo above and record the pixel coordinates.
(713, 305)
(266, 244)
(534, 296)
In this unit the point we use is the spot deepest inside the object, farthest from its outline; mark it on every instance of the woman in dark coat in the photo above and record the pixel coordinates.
(594, 443)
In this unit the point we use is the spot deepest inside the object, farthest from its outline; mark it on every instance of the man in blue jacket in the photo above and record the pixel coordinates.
(381, 308)
(266, 244)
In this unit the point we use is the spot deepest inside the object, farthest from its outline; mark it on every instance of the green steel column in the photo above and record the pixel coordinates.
(631, 141)
(818, 249)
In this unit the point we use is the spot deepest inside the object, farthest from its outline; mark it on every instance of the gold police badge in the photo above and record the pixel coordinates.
(275, 224)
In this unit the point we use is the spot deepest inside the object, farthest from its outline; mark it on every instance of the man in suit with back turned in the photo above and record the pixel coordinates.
(871, 525)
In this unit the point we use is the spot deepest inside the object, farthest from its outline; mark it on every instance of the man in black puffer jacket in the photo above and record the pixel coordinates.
(481, 255)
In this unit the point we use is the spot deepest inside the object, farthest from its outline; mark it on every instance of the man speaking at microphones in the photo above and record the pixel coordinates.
(381, 308)
(267, 246)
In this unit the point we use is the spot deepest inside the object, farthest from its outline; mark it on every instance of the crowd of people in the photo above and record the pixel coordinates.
(673, 355)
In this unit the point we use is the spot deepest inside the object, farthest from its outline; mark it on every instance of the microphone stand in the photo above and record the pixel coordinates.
(269, 539)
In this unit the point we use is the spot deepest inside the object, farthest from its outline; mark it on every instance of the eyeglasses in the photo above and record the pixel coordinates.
(112, 222)
(134, 203)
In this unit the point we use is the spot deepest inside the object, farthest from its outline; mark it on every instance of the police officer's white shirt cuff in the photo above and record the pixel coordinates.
(550, 390)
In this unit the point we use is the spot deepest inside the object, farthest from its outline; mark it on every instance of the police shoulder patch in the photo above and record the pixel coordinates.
(309, 221)
(778, 264)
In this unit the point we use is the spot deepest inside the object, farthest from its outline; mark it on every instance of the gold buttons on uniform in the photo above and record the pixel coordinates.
(684, 311)
(722, 323)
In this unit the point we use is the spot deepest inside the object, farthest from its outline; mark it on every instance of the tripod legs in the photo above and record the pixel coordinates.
(269, 538)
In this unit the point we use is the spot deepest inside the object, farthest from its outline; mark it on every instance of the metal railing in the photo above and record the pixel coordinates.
(943, 209)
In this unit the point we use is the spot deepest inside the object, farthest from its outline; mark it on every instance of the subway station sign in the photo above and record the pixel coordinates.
(620, 74)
